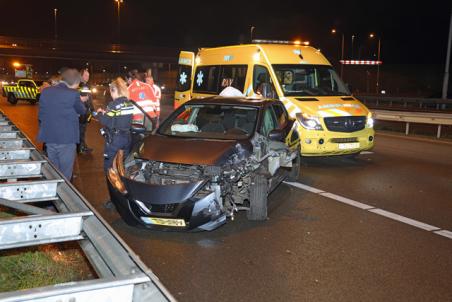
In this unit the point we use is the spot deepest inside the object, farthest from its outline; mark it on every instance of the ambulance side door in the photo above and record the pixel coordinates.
(184, 78)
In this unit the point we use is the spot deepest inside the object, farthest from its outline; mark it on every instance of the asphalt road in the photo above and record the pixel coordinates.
(332, 240)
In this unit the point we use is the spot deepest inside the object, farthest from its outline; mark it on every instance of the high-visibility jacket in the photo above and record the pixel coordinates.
(143, 95)
(158, 96)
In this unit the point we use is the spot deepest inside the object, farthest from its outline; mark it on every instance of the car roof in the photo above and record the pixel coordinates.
(242, 101)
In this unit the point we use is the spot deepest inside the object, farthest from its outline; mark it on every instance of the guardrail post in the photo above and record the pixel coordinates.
(438, 133)
(407, 128)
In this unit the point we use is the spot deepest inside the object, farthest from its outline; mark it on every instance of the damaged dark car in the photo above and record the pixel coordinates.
(208, 160)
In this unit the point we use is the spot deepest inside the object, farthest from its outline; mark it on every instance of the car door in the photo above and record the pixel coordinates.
(283, 121)
(184, 78)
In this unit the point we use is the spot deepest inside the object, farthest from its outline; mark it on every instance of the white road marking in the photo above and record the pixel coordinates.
(381, 212)
(366, 152)
(404, 219)
(304, 187)
(347, 201)
(444, 233)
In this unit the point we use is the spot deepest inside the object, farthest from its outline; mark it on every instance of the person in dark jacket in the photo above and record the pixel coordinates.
(117, 120)
(84, 119)
(59, 110)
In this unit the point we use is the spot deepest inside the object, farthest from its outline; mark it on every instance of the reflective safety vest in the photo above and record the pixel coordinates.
(158, 97)
(143, 95)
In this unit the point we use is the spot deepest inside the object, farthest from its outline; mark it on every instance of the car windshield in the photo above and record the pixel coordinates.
(209, 121)
(309, 80)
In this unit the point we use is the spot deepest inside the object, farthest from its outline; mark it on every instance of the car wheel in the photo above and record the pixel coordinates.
(12, 99)
(258, 198)
(295, 170)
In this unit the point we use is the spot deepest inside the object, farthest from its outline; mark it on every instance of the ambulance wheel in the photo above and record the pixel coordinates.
(12, 99)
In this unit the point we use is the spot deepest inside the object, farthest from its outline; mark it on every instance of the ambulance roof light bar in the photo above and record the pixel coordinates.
(360, 62)
(285, 42)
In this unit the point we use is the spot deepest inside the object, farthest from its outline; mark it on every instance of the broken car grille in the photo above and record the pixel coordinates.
(163, 208)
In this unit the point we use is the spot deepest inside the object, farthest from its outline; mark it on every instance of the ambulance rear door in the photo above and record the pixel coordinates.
(184, 78)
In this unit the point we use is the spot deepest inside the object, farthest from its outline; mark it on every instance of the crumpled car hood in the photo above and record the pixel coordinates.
(189, 151)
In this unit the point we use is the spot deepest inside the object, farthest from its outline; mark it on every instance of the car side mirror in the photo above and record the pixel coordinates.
(277, 135)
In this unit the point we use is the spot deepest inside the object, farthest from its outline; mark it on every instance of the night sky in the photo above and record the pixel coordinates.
(411, 31)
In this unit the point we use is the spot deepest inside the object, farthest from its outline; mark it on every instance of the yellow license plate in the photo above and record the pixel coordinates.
(347, 146)
(164, 221)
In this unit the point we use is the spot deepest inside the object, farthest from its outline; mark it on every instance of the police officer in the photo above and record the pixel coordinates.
(84, 119)
(117, 120)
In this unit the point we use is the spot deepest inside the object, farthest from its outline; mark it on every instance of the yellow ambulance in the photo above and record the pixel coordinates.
(331, 121)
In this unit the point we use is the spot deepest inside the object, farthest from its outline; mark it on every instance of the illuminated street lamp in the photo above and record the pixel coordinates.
(371, 36)
(119, 2)
(17, 64)
(353, 40)
(334, 31)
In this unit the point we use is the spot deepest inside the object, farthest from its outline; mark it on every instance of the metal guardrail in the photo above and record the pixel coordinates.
(406, 102)
(414, 117)
(26, 177)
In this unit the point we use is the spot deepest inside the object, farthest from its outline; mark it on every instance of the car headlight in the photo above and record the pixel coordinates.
(116, 171)
(94, 90)
(309, 122)
(369, 121)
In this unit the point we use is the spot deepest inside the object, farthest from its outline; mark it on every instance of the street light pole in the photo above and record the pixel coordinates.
(342, 56)
(334, 31)
(377, 86)
(446, 71)
(119, 2)
(378, 65)
(55, 12)
(251, 33)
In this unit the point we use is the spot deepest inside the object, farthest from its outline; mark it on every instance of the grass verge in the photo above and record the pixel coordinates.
(42, 265)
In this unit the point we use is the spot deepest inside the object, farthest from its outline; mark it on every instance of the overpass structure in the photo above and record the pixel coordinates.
(100, 52)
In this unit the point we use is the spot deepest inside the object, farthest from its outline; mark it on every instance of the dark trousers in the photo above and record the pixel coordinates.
(82, 128)
(63, 157)
(118, 142)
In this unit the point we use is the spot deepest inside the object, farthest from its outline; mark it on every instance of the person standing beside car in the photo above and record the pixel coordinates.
(59, 110)
(143, 94)
(155, 114)
(85, 118)
(116, 121)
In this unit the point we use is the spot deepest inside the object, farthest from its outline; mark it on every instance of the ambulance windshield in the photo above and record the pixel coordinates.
(309, 80)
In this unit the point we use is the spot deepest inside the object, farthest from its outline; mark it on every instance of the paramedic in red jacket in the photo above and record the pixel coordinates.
(143, 95)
